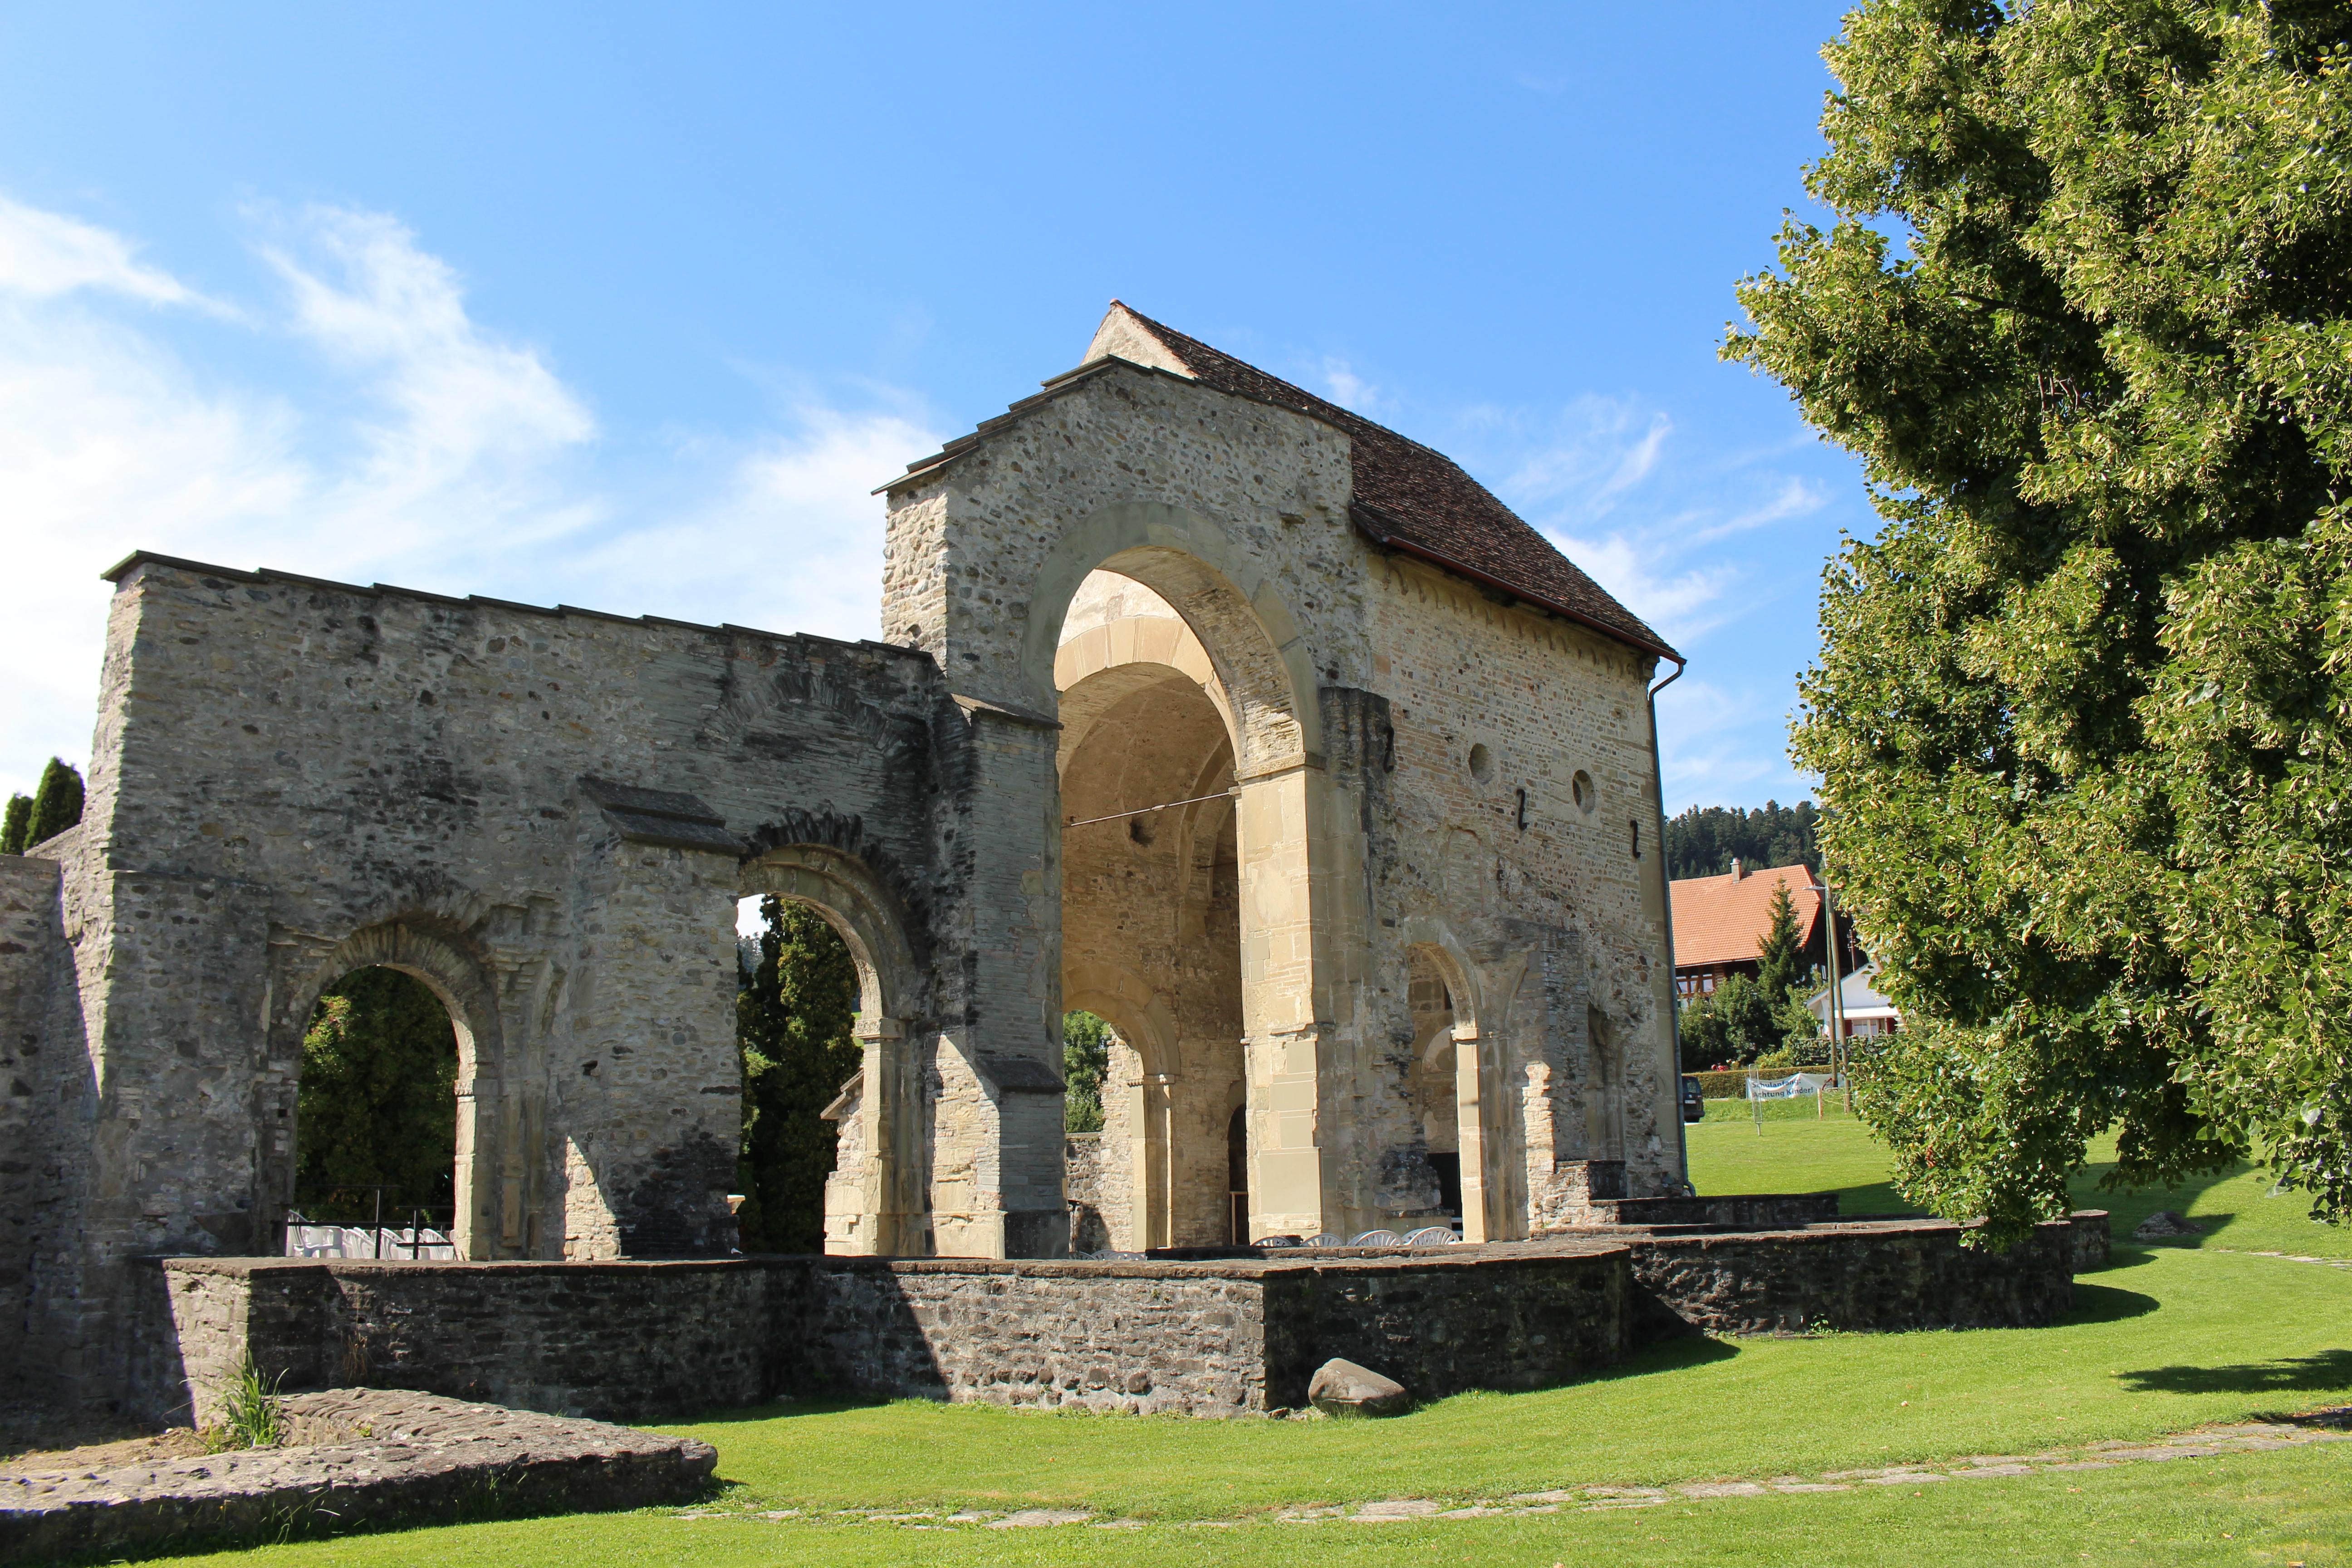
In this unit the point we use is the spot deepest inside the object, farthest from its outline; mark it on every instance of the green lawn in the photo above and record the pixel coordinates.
(2264, 1509)
(2167, 1338)
(1795, 1154)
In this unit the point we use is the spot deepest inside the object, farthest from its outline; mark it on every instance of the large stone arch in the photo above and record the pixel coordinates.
(489, 1175)
(1233, 608)
(1223, 592)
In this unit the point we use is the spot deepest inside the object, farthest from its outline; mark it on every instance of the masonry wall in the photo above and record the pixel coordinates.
(292, 779)
(640, 1341)
(1538, 899)
(43, 1101)
(1356, 686)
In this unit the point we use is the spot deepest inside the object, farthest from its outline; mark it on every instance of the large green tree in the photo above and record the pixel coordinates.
(793, 1017)
(377, 1100)
(2084, 707)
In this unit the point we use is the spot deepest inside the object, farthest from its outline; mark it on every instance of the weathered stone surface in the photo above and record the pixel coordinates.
(1343, 1388)
(546, 813)
(2163, 1225)
(1853, 1275)
(358, 1457)
(1234, 1334)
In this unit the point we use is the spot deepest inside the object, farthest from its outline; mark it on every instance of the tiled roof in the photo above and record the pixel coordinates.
(1722, 920)
(1412, 497)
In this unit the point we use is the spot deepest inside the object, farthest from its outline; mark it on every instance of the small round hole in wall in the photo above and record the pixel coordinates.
(1482, 763)
(1586, 796)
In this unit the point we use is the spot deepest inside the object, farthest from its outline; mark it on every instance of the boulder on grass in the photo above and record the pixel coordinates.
(1343, 1388)
(2163, 1223)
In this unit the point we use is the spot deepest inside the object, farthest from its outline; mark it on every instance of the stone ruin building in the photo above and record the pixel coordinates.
(1260, 731)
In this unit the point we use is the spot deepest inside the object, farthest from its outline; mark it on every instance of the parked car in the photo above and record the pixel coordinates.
(1693, 1102)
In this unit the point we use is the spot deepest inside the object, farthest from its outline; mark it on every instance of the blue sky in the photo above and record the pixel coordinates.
(629, 308)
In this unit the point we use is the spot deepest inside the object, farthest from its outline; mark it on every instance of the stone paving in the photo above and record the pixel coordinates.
(356, 1456)
(2242, 1438)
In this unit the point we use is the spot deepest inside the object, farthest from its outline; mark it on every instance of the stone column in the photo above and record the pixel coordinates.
(1290, 1180)
(1009, 1197)
(891, 1112)
(1474, 1093)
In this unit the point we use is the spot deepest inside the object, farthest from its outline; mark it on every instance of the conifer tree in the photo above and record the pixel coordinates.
(56, 803)
(1086, 1056)
(17, 823)
(377, 1099)
(793, 1017)
(1781, 965)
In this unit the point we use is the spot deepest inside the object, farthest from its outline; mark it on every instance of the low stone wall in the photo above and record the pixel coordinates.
(1466, 1318)
(1144, 1337)
(360, 1458)
(1856, 1275)
(646, 1340)
(1212, 1336)
(610, 1339)
(1769, 1210)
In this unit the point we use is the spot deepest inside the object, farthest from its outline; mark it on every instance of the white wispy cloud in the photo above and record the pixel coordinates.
(1348, 389)
(429, 450)
(45, 254)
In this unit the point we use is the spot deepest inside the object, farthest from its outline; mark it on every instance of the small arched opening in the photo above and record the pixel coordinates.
(376, 1146)
(395, 1034)
(834, 1152)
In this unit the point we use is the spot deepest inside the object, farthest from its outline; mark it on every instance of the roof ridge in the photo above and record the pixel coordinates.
(1426, 504)
(1322, 407)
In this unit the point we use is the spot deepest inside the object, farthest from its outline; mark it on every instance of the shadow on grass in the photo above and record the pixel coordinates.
(780, 1410)
(2322, 1373)
(2106, 1304)
(2127, 1254)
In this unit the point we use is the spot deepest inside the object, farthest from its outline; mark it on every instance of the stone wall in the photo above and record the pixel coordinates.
(1858, 1276)
(44, 1084)
(628, 1340)
(546, 816)
(1217, 1336)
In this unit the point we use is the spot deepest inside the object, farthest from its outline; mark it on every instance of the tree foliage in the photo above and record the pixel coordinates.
(1781, 953)
(1704, 843)
(2084, 708)
(793, 1017)
(376, 1104)
(1086, 1056)
(54, 805)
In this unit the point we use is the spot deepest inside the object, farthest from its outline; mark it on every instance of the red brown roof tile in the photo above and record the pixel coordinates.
(1412, 497)
(1722, 920)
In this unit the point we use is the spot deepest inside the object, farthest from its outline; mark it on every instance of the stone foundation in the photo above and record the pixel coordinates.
(356, 1458)
(1227, 1333)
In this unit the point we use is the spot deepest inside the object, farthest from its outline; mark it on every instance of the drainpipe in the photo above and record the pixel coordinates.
(1666, 905)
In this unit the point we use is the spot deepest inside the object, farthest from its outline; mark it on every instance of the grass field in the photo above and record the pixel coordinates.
(1796, 1154)
(2167, 1338)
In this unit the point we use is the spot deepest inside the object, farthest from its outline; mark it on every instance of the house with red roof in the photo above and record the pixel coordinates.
(1720, 921)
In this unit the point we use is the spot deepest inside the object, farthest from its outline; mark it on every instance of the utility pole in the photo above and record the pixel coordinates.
(1837, 991)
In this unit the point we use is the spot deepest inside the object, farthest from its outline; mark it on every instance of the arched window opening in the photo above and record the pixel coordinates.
(1086, 1058)
(795, 1015)
(376, 1121)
